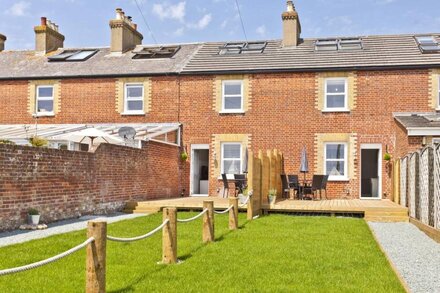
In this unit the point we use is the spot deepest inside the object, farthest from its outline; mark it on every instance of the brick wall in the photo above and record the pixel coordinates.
(66, 184)
(282, 113)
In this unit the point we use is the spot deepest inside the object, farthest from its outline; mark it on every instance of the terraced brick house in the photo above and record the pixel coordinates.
(347, 100)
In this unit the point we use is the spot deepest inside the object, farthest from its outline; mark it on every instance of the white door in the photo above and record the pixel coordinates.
(371, 171)
(199, 170)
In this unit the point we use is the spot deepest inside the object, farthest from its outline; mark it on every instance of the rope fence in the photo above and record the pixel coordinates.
(149, 234)
(96, 243)
(47, 261)
(193, 218)
(246, 201)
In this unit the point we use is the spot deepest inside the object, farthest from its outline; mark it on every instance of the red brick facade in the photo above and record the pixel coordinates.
(65, 184)
(283, 113)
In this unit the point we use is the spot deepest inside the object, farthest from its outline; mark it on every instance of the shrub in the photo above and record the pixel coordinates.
(6, 141)
(183, 156)
(37, 141)
(33, 212)
(387, 157)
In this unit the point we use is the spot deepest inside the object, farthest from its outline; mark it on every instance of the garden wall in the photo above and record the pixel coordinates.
(67, 184)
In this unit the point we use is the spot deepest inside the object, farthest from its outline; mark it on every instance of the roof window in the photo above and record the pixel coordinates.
(242, 48)
(73, 55)
(428, 44)
(156, 52)
(338, 44)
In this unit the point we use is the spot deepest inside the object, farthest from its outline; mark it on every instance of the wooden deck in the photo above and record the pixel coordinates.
(372, 210)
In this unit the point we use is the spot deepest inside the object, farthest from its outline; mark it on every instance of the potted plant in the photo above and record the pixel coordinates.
(33, 217)
(243, 196)
(272, 196)
(387, 157)
(184, 156)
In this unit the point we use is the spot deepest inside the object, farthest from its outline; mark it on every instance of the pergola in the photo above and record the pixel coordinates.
(158, 132)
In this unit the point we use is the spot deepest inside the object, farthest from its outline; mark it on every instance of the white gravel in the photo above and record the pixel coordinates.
(413, 253)
(19, 236)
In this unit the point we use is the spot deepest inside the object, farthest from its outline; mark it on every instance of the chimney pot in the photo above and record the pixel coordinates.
(124, 34)
(291, 26)
(47, 37)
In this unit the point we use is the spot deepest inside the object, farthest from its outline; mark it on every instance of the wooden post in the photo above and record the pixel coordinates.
(233, 213)
(95, 260)
(208, 221)
(169, 236)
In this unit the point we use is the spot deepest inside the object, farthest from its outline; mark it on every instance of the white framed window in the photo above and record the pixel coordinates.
(232, 96)
(336, 97)
(134, 99)
(335, 160)
(44, 100)
(438, 93)
(231, 160)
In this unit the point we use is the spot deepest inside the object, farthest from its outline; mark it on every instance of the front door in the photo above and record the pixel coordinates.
(199, 170)
(371, 171)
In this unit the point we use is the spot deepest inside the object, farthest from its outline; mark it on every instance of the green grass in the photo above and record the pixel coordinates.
(272, 254)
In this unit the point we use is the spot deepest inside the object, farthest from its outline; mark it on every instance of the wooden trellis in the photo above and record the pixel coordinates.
(413, 184)
(426, 190)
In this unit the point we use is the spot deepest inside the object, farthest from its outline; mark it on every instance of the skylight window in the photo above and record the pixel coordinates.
(428, 44)
(339, 44)
(156, 52)
(242, 48)
(73, 55)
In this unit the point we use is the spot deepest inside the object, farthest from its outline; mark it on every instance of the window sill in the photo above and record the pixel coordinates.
(335, 111)
(342, 179)
(133, 113)
(49, 114)
(232, 112)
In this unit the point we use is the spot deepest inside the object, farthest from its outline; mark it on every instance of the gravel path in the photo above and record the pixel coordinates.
(413, 253)
(19, 236)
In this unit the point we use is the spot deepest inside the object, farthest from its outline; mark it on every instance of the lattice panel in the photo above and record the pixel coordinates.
(425, 190)
(437, 186)
(413, 179)
(403, 181)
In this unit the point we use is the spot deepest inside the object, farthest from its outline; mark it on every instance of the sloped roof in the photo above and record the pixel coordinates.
(419, 124)
(26, 64)
(399, 51)
(377, 52)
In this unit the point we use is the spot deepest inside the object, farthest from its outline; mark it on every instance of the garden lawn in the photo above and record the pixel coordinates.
(273, 253)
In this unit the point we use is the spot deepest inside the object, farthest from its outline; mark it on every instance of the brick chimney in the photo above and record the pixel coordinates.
(124, 34)
(2, 42)
(47, 37)
(291, 26)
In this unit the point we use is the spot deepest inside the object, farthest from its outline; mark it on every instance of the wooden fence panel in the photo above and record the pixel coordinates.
(413, 185)
(254, 179)
(265, 176)
(426, 188)
(436, 204)
(404, 182)
(396, 181)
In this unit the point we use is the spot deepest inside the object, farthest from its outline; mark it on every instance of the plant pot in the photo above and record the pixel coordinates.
(241, 199)
(34, 219)
(272, 199)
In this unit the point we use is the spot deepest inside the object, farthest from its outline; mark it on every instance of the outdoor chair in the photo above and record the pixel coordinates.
(286, 187)
(324, 186)
(316, 186)
(294, 184)
(225, 186)
(240, 183)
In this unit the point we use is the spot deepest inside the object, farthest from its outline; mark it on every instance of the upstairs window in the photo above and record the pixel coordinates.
(335, 158)
(231, 158)
(73, 55)
(134, 99)
(428, 44)
(44, 100)
(242, 48)
(156, 52)
(336, 94)
(232, 97)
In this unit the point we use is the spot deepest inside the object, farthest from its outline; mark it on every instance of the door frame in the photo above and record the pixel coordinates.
(191, 172)
(372, 146)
